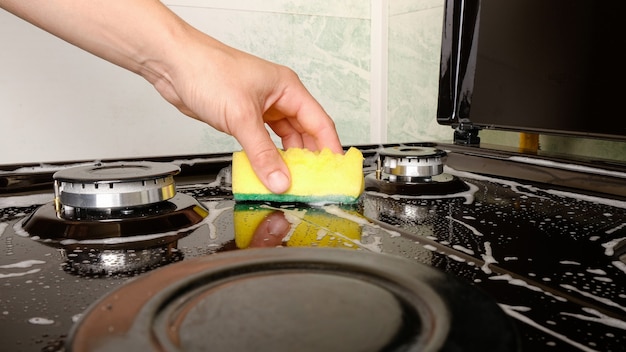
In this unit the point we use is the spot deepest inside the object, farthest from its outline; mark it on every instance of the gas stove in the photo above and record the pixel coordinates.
(470, 254)
(459, 246)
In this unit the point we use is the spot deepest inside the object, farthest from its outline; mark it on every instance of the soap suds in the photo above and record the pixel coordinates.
(487, 258)
(23, 264)
(602, 300)
(40, 321)
(514, 312)
(29, 272)
(26, 201)
(3, 227)
(598, 318)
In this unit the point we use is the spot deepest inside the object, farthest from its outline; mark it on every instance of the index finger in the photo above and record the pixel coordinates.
(308, 117)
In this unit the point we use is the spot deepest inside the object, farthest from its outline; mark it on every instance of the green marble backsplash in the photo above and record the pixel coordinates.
(331, 46)
(347, 52)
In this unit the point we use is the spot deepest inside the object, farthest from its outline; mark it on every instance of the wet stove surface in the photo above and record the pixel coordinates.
(547, 257)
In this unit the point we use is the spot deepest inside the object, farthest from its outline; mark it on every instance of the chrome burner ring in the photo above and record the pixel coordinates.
(412, 171)
(406, 163)
(114, 185)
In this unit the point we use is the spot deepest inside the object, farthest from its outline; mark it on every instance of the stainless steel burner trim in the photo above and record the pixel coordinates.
(114, 195)
(411, 162)
(408, 170)
(114, 185)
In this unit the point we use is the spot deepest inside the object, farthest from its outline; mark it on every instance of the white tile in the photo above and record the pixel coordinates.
(345, 8)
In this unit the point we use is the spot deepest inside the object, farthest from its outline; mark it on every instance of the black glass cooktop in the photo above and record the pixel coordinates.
(546, 254)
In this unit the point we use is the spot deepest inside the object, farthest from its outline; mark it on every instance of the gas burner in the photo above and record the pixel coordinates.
(304, 299)
(113, 186)
(411, 163)
(117, 205)
(128, 262)
(412, 170)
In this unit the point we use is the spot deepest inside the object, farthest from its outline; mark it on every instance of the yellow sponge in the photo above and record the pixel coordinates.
(316, 177)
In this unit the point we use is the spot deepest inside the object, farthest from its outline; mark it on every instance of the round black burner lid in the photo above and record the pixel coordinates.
(295, 299)
(115, 185)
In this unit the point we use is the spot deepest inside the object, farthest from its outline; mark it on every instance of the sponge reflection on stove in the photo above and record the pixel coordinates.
(261, 225)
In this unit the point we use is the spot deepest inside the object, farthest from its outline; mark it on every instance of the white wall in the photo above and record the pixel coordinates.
(58, 103)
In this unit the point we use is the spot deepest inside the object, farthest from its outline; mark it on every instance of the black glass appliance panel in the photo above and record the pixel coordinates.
(537, 66)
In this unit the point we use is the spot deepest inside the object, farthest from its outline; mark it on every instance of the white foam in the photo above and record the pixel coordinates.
(469, 227)
(610, 231)
(620, 265)
(321, 233)
(191, 162)
(516, 185)
(487, 258)
(609, 247)
(430, 247)
(374, 246)
(602, 278)
(295, 217)
(40, 321)
(514, 312)
(598, 318)
(29, 272)
(214, 213)
(463, 249)
(602, 300)
(566, 166)
(456, 258)
(48, 168)
(569, 262)
(516, 282)
(592, 199)
(596, 271)
(26, 201)
(3, 227)
(335, 210)
(23, 264)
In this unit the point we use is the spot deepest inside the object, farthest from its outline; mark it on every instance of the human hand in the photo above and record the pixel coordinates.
(238, 94)
(271, 231)
(232, 91)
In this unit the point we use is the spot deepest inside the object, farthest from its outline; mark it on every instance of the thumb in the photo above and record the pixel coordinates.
(267, 163)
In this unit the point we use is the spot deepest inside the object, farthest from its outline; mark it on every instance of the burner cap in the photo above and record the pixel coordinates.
(115, 185)
(295, 299)
(412, 161)
(413, 171)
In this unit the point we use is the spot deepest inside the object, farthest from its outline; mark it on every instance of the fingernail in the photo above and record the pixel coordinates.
(278, 182)
(278, 225)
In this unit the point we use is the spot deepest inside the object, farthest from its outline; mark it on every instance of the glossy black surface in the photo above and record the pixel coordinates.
(180, 212)
(305, 299)
(546, 252)
(538, 66)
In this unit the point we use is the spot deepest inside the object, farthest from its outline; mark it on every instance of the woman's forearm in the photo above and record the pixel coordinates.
(139, 35)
